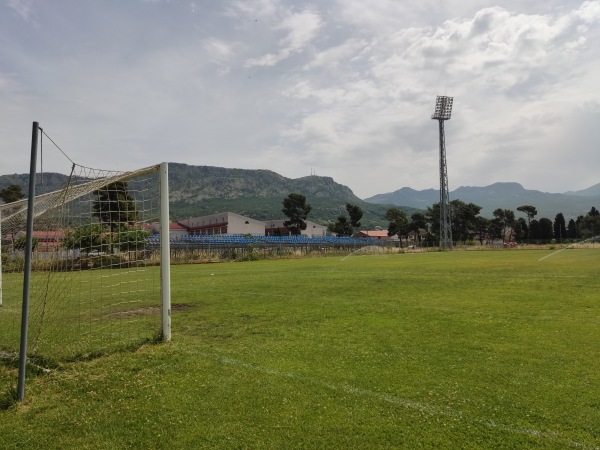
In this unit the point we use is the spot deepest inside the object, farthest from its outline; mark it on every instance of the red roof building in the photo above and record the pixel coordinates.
(374, 234)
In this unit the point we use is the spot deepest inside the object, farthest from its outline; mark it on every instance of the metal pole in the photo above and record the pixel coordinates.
(445, 222)
(165, 253)
(27, 274)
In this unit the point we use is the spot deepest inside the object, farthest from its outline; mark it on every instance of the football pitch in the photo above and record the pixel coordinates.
(464, 349)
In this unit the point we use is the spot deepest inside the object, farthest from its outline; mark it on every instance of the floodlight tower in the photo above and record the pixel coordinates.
(443, 110)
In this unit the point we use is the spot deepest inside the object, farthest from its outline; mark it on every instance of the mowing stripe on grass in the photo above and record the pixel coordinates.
(424, 408)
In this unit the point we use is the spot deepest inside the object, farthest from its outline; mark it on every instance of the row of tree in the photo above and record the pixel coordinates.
(467, 224)
(117, 213)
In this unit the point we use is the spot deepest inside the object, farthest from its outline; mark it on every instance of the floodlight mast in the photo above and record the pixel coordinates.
(443, 111)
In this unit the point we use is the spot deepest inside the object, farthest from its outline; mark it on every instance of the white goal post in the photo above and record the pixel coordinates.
(165, 252)
(98, 279)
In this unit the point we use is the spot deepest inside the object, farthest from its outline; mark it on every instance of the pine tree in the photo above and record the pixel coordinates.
(296, 209)
(115, 207)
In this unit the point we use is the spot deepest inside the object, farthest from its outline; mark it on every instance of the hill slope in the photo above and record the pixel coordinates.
(201, 190)
(592, 191)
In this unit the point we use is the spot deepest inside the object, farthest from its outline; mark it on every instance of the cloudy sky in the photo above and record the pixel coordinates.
(340, 88)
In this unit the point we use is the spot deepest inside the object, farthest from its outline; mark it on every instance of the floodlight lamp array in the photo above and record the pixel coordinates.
(443, 108)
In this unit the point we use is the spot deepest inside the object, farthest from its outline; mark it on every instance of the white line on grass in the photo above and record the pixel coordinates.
(392, 399)
(548, 256)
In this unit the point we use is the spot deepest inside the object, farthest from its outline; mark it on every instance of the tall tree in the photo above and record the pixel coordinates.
(530, 212)
(496, 229)
(534, 230)
(398, 223)
(342, 227)
(560, 227)
(115, 207)
(297, 210)
(433, 219)
(418, 222)
(507, 219)
(463, 219)
(481, 227)
(355, 213)
(521, 229)
(345, 227)
(11, 193)
(589, 225)
(546, 231)
(572, 229)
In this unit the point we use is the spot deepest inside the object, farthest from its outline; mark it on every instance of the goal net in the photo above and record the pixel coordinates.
(95, 280)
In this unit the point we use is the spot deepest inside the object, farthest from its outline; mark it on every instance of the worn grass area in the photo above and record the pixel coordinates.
(81, 312)
(436, 350)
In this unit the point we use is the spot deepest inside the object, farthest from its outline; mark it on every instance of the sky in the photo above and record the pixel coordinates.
(339, 88)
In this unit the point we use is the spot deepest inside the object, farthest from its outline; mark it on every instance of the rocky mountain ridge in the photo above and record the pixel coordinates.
(201, 190)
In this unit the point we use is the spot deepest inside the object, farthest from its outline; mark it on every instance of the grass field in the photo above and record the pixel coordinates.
(497, 349)
(81, 312)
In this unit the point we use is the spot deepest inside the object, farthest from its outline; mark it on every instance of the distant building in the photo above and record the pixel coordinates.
(49, 240)
(223, 223)
(175, 230)
(229, 223)
(416, 236)
(277, 228)
(375, 234)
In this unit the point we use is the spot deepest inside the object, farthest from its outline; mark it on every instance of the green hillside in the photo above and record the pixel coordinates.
(202, 190)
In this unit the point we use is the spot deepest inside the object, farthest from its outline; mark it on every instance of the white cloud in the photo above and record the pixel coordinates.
(253, 9)
(24, 8)
(300, 29)
(218, 49)
(331, 58)
(589, 12)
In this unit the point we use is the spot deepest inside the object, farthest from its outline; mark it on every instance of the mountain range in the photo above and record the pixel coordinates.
(202, 190)
(500, 195)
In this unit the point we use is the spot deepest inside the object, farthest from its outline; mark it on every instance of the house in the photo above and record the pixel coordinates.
(375, 234)
(47, 240)
(416, 236)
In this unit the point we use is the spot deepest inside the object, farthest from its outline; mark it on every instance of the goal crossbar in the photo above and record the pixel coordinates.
(49, 200)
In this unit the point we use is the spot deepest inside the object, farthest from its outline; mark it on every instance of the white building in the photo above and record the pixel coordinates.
(223, 223)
